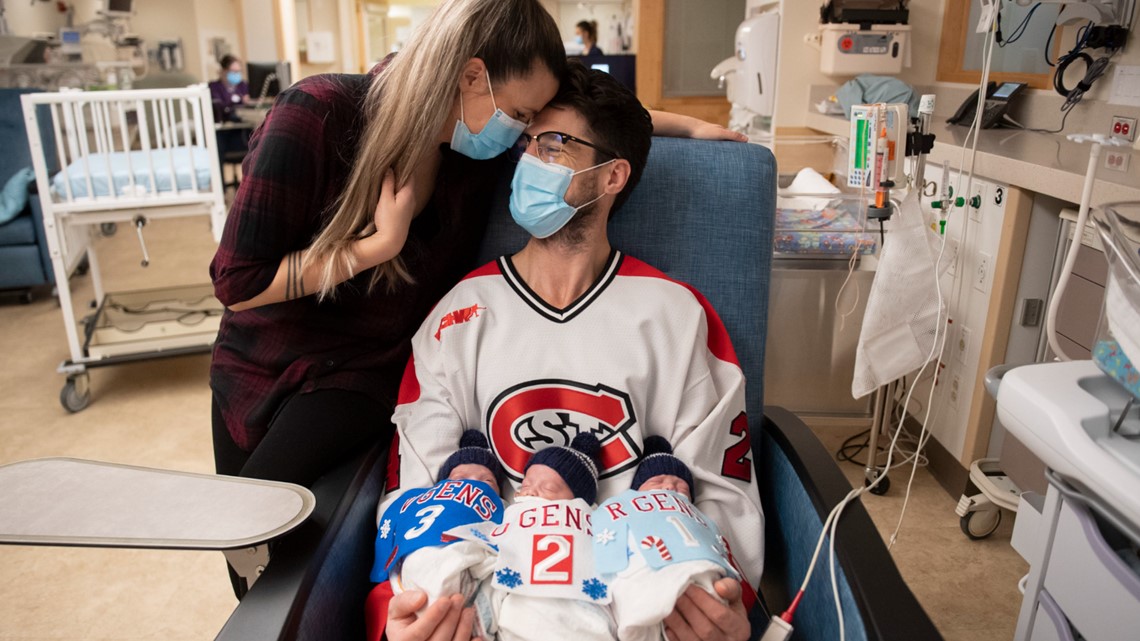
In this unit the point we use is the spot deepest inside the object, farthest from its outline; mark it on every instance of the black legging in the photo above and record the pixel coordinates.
(311, 434)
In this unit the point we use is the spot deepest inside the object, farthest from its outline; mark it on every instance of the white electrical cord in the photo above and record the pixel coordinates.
(1071, 257)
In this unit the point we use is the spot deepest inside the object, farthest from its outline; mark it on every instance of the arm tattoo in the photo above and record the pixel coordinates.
(294, 278)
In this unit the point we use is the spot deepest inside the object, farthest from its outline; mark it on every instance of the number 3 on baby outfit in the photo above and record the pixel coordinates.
(427, 516)
(552, 559)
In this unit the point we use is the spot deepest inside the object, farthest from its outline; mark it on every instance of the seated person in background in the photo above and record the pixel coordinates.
(227, 94)
(651, 543)
(229, 90)
(545, 585)
(412, 551)
(570, 335)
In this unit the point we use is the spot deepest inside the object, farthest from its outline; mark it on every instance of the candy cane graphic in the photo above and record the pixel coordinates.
(654, 541)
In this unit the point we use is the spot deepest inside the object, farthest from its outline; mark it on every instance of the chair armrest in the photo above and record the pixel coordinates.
(317, 579)
(800, 483)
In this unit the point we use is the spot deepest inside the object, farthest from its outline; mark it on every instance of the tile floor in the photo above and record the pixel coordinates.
(156, 413)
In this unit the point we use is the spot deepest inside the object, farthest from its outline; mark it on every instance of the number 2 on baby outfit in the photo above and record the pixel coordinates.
(553, 559)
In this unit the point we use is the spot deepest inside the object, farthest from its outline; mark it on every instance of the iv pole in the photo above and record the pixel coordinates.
(885, 395)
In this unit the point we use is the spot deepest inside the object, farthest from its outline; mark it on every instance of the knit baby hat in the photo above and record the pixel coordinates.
(577, 464)
(658, 460)
(473, 448)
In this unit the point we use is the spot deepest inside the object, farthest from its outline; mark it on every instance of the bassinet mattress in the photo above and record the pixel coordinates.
(830, 230)
(187, 161)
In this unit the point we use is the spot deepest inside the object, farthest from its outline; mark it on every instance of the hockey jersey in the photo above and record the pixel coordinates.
(637, 354)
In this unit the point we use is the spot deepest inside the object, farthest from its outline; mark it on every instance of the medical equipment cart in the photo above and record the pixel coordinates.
(126, 157)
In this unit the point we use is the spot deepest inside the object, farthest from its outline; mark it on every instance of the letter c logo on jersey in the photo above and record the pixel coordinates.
(550, 413)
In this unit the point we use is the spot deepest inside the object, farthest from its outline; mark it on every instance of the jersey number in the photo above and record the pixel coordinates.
(428, 515)
(737, 460)
(687, 536)
(553, 559)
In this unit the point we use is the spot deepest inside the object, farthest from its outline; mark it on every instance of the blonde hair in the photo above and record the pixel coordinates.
(412, 97)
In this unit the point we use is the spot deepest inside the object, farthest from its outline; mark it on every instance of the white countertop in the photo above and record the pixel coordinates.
(1043, 163)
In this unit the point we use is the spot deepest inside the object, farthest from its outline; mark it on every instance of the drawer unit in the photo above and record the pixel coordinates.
(1090, 583)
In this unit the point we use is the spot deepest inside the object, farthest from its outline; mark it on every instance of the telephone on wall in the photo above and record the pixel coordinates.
(996, 104)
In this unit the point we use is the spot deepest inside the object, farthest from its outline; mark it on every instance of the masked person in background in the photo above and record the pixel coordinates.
(570, 335)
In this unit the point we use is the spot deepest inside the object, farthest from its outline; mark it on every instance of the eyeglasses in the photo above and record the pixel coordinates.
(550, 145)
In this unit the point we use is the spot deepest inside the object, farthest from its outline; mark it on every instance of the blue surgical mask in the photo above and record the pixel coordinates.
(233, 77)
(499, 134)
(538, 195)
(578, 41)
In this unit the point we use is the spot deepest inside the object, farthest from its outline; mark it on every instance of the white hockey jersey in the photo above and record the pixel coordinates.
(637, 354)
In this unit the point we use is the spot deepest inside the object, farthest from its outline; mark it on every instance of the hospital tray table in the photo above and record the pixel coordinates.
(73, 502)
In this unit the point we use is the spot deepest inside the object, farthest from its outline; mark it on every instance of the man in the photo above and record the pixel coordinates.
(571, 335)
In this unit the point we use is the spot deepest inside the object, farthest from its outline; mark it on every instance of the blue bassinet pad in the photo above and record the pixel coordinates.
(186, 161)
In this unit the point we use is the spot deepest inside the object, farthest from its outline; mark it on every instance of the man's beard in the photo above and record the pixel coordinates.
(572, 236)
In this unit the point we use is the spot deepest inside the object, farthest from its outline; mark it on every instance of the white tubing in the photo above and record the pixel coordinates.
(1071, 257)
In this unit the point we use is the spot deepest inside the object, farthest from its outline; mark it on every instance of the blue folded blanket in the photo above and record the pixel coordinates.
(187, 161)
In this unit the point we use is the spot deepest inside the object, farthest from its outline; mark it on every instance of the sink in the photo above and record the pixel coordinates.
(1065, 413)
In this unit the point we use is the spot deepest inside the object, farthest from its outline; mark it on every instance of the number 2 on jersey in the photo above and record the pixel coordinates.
(552, 559)
(737, 460)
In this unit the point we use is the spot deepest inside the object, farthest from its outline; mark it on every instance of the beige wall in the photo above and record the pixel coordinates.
(216, 19)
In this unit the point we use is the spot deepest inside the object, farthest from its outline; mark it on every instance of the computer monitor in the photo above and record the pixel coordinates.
(267, 79)
(621, 67)
(119, 8)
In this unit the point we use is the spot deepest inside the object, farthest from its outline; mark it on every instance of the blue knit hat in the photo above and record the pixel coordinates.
(474, 449)
(577, 464)
(658, 460)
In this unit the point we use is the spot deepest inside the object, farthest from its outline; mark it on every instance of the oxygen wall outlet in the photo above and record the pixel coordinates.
(974, 205)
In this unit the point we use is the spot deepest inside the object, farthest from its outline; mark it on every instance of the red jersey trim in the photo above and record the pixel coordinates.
(719, 342)
(490, 269)
(409, 385)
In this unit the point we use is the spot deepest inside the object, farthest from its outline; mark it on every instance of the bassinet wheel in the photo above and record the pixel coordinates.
(978, 525)
(76, 393)
(108, 229)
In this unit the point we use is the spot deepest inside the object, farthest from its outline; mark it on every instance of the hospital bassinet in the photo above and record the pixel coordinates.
(126, 157)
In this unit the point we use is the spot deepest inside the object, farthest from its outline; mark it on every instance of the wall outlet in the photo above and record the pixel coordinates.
(950, 257)
(982, 272)
(962, 346)
(955, 392)
(1124, 127)
(1116, 160)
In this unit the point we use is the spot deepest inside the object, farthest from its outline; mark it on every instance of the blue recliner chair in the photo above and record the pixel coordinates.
(703, 213)
(24, 259)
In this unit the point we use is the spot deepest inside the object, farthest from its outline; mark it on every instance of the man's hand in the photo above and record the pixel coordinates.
(444, 620)
(698, 616)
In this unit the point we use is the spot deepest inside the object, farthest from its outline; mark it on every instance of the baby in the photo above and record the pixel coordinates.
(414, 552)
(651, 543)
(545, 585)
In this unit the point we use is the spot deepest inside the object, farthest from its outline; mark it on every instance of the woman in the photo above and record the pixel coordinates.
(229, 90)
(365, 200)
(587, 33)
